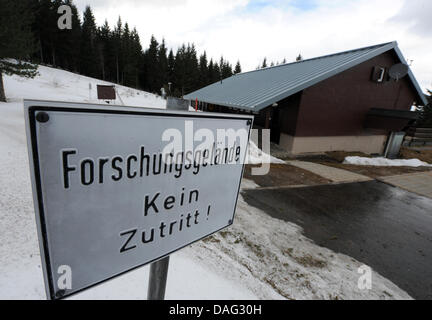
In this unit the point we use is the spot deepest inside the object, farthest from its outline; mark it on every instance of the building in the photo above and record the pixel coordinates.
(345, 101)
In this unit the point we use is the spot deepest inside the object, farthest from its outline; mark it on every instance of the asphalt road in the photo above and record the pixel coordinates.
(382, 226)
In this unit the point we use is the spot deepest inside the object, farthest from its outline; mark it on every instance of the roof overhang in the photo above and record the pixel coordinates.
(389, 119)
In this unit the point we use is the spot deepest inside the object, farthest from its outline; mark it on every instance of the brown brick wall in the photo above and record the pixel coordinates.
(338, 106)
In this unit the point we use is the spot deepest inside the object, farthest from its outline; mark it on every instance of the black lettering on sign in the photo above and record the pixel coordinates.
(131, 174)
(192, 193)
(87, 179)
(102, 162)
(169, 202)
(147, 158)
(148, 204)
(117, 168)
(237, 157)
(66, 167)
(205, 158)
(132, 234)
(162, 228)
(143, 236)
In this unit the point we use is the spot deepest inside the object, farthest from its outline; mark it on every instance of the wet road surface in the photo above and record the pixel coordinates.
(382, 226)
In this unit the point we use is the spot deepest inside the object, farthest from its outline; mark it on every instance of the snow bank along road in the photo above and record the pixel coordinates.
(259, 257)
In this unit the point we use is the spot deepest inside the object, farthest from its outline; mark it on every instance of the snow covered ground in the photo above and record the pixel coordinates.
(384, 162)
(260, 249)
(259, 257)
(60, 85)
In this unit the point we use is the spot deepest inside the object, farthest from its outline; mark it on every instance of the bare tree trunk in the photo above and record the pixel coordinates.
(41, 51)
(118, 80)
(53, 57)
(2, 91)
(103, 68)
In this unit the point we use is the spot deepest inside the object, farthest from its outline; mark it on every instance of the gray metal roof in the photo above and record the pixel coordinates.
(258, 89)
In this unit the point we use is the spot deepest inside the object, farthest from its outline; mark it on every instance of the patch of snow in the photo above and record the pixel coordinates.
(248, 184)
(256, 156)
(363, 161)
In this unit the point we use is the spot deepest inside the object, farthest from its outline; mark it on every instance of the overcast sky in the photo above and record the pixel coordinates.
(249, 30)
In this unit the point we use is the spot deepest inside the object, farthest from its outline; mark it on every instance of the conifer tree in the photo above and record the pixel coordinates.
(117, 48)
(17, 40)
(216, 72)
(203, 70)
(47, 31)
(73, 38)
(136, 55)
(127, 73)
(162, 62)
(237, 68)
(225, 69)
(192, 72)
(105, 51)
(210, 72)
(179, 71)
(170, 71)
(151, 66)
(67, 44)
(89, 55)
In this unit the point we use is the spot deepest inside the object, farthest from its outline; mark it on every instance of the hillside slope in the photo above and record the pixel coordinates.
(55, 84)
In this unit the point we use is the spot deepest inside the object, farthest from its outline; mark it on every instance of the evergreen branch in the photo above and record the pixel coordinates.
(20, 68)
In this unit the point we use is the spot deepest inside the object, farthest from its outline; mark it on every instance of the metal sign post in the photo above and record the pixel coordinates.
(158, 279)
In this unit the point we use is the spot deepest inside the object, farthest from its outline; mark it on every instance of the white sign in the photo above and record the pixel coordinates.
(118, 188)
